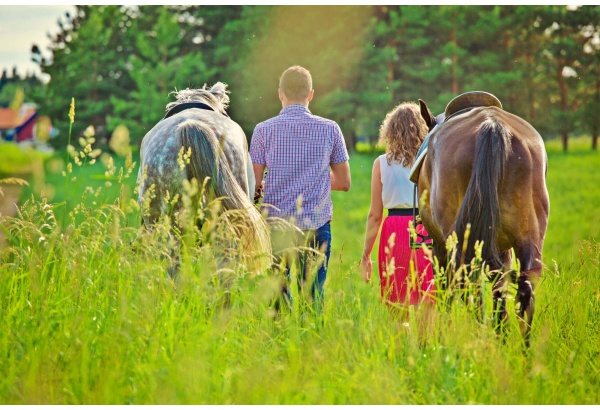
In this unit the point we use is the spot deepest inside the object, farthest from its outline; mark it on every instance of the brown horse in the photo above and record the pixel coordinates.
(487, 167)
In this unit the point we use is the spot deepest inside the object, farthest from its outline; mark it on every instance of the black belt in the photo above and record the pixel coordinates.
(402, 212)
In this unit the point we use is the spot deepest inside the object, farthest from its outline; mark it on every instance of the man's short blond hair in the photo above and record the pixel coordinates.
(296, 83)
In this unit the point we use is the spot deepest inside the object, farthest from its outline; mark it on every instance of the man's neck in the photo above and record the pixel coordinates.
(286, 103)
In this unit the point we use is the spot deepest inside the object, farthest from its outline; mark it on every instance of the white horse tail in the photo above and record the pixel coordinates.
(209, 160)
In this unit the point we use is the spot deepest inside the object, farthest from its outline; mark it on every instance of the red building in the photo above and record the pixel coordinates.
(18, 125)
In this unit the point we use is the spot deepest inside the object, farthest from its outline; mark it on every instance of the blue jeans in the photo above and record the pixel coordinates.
(285, 254)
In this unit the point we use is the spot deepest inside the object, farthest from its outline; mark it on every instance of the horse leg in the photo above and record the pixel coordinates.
(499, 278)
(445, 278)
(284, 256)
(526, 297)
(531, 270)
(499, 313)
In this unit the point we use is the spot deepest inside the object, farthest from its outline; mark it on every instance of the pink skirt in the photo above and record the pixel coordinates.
(399, 282)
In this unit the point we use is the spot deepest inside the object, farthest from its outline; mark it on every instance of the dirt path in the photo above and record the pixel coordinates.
(8, 203)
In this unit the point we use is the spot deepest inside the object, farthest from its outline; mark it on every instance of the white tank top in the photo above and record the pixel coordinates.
(397, 191)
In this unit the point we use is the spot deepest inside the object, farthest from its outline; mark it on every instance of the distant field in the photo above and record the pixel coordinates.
(91, 317)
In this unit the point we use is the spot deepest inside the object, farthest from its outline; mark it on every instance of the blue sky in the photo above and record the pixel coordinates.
(22, 26)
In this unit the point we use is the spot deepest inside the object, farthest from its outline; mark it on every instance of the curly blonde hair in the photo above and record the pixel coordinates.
(402, 133)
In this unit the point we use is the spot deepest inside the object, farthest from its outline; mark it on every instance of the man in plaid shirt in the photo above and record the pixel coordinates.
(306, 158)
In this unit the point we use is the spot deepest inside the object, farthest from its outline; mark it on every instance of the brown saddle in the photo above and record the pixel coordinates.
(459, 104)
(471, 99)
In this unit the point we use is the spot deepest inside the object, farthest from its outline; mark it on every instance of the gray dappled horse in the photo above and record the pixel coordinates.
(196, 123)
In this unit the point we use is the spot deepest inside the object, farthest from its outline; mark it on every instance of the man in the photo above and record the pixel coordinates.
(306, 157)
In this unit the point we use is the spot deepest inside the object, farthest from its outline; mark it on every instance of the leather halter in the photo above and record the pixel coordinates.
(186, 106)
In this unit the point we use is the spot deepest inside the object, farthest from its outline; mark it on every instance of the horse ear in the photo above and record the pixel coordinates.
(427, 116)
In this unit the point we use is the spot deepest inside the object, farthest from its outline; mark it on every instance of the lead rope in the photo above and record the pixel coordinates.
(416, 222)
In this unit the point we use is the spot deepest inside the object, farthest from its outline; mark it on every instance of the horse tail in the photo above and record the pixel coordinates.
(481, 205)
(209, 160)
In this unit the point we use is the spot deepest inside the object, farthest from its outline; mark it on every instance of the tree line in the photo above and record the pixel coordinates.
(121, 62)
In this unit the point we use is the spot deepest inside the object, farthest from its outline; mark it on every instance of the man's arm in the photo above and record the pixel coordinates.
(340, 176)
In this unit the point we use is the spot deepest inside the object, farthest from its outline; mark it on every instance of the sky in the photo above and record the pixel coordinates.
(20, 28)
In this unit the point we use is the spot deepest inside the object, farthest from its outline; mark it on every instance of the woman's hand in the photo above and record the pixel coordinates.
(366, 268)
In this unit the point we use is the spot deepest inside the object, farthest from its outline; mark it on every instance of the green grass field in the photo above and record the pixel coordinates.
(89, 315)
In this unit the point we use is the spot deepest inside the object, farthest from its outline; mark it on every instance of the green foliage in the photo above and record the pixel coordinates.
(573, 186)
(157, 69)
(541, 61)
(89, 64)
(15, 160)
(93, 317)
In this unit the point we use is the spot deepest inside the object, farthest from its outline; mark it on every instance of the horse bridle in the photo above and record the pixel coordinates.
(186, 106)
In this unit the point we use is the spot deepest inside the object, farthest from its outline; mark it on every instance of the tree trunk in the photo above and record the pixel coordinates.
(564, 103)
(455, 87)
(595, 118)
(350, 141)
(530, 88)
(390, 66)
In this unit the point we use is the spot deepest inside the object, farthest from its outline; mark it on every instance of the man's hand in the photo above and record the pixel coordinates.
(259, 175)
(259, 191)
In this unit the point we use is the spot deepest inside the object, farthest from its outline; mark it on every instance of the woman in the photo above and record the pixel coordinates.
(405, 274)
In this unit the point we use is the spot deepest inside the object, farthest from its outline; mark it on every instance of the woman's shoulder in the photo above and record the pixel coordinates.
(393, 163)
(393, 167)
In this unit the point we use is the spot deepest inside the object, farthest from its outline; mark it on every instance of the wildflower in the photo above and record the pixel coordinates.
(89, 131)
(72, 110)
(119, 141)
(180, 158)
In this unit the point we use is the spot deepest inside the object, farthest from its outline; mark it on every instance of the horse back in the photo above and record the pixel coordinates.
(521, 190)
(161, 146)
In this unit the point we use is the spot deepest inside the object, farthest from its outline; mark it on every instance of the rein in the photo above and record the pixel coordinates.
(186, 106)
(417, 221)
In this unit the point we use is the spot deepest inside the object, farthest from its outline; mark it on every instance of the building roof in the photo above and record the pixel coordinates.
(10, 118)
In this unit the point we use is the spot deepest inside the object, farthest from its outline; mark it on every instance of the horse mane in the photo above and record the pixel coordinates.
(217, 97)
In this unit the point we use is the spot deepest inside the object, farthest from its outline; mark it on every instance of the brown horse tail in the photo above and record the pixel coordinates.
(209, 160)
(481, 205)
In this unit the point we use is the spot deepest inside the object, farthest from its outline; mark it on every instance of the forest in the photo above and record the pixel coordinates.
(89, 312)
(121, 62)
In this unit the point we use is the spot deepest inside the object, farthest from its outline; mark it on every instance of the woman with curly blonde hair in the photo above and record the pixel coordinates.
(405, 274)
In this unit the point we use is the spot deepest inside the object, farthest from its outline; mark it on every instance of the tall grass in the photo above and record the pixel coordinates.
(90, 315)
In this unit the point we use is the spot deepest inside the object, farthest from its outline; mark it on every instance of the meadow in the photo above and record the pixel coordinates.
(90, 315)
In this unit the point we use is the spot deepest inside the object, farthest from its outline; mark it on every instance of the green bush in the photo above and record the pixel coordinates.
(15, 160)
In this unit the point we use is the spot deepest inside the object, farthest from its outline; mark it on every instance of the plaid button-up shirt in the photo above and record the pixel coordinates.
(297, 148)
